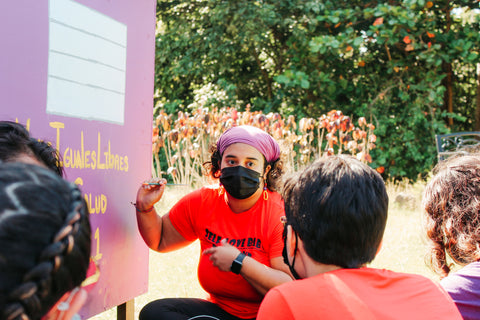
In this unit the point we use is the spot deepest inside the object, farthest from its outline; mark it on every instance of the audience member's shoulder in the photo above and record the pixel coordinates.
(463, 278)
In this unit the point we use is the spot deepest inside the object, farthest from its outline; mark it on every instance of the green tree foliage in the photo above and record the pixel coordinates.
(407, 66)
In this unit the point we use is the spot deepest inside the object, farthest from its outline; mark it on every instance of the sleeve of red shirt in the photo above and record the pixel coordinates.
(274, 306)
(183, 215)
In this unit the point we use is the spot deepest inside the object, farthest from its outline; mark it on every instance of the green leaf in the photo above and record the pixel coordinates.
(282, 79)
(305, 84)
(472, 57)
(358, 41)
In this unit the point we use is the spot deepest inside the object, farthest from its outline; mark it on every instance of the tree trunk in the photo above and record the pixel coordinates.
(477, 108)
(447, 68)
(449, 91)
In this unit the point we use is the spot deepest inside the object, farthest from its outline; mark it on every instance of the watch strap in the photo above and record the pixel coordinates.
(237, 263)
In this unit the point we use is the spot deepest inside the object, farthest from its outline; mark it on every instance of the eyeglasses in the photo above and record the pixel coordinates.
(92, 278)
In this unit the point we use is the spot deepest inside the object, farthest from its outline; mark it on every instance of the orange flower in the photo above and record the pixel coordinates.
(378, 21)
(381, 169)
(362, 121)
(361, 64)
(407, 39)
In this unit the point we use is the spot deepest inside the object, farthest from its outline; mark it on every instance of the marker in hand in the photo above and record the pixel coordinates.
(158, 184)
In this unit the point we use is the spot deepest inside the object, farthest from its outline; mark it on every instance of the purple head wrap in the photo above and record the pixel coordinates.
(252, 136)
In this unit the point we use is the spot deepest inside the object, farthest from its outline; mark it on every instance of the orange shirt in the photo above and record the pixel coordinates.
(359, 294)
(205, 215)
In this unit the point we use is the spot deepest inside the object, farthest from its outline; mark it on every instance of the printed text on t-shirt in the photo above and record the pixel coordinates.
(239, 243)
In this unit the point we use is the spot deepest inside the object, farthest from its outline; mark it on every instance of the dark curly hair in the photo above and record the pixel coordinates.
(45, 240)
(338, 207)
(452, 205)
(15, 140)
(274, 176)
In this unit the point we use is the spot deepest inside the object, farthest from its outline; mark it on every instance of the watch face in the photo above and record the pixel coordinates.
(237, 263)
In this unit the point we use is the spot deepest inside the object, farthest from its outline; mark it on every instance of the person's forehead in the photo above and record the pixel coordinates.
(28, 159)
(242, 150)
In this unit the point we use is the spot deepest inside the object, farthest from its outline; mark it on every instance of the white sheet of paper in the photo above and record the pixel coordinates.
(86, 63)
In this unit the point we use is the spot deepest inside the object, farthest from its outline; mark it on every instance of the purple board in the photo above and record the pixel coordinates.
(80, 74)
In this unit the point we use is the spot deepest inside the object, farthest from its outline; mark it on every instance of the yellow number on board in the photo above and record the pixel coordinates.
(98, 255)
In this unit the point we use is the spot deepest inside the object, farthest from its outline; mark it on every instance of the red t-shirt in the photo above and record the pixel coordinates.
(205, 215)
(360, 294)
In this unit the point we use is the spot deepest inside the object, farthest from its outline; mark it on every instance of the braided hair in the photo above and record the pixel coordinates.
(16, 141)
(45, 240)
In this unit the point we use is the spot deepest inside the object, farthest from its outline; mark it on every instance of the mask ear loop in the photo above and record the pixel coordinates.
(292, 268)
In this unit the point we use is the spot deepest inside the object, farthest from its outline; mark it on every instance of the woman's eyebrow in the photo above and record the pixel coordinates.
(231, 156)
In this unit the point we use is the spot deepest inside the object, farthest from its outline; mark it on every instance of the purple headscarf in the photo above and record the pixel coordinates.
(252, 136)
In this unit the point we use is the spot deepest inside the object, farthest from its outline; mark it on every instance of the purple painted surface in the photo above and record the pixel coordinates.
(23, 94)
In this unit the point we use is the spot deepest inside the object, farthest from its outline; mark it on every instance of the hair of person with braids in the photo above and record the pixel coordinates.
(452, 205)
(45, 240)
(15, 142)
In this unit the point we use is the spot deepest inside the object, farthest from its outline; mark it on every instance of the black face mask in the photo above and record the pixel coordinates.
(285, 256)
(240, 182)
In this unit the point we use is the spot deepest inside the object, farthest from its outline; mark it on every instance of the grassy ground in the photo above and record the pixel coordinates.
(174, 274)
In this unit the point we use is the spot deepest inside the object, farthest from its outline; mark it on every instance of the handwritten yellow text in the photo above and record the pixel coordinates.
(90, 159)
(95, 203)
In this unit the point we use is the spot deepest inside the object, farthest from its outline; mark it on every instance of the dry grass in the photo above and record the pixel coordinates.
(404, 244)
(174, 274)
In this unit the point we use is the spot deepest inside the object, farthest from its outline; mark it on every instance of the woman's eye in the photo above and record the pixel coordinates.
(250, 164)
(230, 162)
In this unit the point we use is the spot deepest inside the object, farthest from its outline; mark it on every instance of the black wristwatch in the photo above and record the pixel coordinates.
(237, 263)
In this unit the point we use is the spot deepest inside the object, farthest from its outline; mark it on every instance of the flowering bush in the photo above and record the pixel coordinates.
(184, 141)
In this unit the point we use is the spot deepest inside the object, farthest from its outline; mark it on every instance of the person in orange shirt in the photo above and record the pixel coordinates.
(336, 212)
(238, 225)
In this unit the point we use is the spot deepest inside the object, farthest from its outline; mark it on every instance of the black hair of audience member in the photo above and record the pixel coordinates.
(338, 207)
(45, 240)
(16, 141)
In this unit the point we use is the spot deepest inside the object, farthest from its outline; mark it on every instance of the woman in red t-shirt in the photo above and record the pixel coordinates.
(238, 225)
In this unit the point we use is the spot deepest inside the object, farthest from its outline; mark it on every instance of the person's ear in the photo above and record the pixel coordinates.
(267, 170)
(290, 241)
(379, 247)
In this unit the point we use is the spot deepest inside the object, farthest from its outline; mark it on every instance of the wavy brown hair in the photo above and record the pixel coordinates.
(452, 205)
(274, 176)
